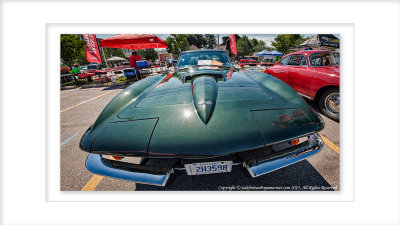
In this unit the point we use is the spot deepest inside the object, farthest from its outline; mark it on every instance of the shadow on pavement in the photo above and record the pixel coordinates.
(298, 177)
(313, 105)
(116, 87)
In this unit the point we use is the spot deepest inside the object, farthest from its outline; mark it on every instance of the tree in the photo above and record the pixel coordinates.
(258, 45)
(177, 43)
(82, 60)
(244, 46)
(253, 42)
(72, 47)
(197, 40)
(149, 54)
(210, 40)
(283, 42)
(110, 52)
(269, 48)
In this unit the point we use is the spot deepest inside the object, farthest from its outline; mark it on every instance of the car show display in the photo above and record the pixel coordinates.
(206, 117)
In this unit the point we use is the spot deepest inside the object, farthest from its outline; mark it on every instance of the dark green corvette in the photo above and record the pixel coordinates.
(204, 118)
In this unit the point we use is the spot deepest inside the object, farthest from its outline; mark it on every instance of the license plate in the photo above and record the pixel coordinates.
(208, 167)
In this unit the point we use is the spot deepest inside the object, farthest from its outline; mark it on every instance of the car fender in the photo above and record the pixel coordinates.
(320, 80)
(285, 91)
(126, 97)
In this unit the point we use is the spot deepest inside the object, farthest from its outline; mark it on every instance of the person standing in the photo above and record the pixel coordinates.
(133, 58)
(132, 62)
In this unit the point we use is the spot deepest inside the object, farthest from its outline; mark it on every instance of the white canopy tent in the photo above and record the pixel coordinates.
(115, 58)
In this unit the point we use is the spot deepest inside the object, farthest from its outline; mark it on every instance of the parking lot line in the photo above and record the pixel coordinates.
(87, 101)
(330, 144)
(92, 183)
(70, 138)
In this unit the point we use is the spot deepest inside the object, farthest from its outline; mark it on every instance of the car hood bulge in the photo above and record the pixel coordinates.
(240, 88)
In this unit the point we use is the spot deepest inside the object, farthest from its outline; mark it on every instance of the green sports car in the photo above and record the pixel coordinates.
(204, 118)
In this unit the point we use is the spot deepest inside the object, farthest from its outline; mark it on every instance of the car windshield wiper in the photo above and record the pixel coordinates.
(222, 67)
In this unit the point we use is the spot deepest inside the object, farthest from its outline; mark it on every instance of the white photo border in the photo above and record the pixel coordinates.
(25, 198)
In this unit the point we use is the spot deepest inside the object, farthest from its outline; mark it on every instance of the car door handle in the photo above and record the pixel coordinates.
(282, 71)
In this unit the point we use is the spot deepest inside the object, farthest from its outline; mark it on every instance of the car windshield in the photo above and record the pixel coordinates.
(204, 59)
(324, 59)
(92, 67)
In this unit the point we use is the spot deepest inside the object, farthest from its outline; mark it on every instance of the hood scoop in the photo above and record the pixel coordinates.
(205, 93)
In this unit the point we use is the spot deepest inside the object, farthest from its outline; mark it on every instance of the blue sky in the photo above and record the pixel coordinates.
(267, 38)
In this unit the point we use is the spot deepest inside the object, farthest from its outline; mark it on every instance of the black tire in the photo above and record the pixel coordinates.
(326, 99)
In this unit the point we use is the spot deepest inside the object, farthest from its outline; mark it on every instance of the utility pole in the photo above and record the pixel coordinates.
(101, 48)
(218, 40)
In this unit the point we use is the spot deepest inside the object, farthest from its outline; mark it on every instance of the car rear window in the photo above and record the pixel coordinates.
(324, 59)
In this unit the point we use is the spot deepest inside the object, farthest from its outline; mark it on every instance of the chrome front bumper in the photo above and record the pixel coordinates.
(96, 164)
(313, 147)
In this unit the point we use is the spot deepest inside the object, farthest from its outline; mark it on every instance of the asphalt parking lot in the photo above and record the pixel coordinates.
(79, 109)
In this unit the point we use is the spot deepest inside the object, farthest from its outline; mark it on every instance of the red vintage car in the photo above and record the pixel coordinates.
(248, 61)
(314, 74)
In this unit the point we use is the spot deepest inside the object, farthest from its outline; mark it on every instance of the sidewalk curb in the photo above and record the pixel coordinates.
(69, 87)
(94, 85)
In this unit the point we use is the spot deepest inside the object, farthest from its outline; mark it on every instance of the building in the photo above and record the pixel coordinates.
(319, 42)
(164, 55)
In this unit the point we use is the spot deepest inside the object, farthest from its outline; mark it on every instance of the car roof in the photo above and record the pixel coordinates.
(307, 52)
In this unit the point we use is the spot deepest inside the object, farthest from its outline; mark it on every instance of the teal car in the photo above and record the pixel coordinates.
(204, 118)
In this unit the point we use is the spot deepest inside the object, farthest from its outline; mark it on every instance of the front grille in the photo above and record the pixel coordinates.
(159, 165)
(137, 167)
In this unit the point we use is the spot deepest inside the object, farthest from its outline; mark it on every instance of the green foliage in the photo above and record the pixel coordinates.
(254, 42)
(177, 43)
(110, 52)
(72, 47)
(269, 48)
(258, 45)
(197, 40)
(244, 46)
(148, 54)
(283, 42)
(81, 60)
(210, 41)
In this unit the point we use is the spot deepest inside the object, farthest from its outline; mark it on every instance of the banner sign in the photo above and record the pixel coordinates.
(328, 40)
(232, 40)
(92, 50)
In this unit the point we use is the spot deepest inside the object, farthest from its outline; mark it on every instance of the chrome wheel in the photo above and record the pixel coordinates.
(332, 103)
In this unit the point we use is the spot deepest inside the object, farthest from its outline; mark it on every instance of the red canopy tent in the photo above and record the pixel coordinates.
(133, 41)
